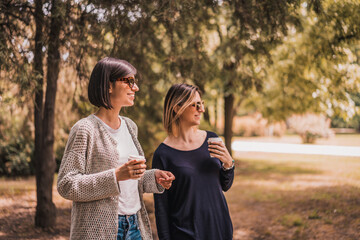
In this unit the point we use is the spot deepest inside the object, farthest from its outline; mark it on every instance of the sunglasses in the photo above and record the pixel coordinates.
(198, 105)
(131, 81)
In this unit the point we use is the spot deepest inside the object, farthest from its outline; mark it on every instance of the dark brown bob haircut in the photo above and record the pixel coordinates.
(105, 71)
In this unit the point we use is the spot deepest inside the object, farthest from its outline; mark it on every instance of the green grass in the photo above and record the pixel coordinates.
(314, 214)
(20, 186)
(263, 165)
(324, 196)
(292, 220)
(264, 168)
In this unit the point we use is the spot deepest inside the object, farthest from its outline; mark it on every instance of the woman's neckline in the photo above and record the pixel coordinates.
(191, 150)
(112, 130)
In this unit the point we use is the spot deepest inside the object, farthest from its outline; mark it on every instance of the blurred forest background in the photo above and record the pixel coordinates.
(266, 68)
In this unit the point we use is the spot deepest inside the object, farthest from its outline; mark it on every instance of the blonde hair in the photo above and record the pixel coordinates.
(177, 99)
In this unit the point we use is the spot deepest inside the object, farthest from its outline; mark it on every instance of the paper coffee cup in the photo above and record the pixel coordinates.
(214, 139)
(136, 157)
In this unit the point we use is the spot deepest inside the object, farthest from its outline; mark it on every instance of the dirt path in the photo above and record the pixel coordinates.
(17, 212)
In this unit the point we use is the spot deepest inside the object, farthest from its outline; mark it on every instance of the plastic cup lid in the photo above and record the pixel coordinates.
(136, 157)
(215, 139)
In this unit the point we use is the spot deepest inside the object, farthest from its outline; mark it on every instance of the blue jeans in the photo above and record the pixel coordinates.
(128, 228)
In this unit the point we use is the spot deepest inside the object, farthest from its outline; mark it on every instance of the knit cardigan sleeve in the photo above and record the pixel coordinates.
(73, 182)
(148, 183)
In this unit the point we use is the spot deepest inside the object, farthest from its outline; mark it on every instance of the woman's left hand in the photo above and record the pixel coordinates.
(164, 178)
(219, 150)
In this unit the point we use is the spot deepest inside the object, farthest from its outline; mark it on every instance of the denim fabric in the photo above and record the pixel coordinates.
(128, 228)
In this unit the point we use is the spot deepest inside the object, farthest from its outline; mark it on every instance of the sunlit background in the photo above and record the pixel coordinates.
(280, 81)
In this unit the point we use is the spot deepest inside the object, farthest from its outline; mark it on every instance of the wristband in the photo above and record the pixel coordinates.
(232, 166)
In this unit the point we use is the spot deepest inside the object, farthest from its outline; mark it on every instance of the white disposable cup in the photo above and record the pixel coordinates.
(136, 157)
(214, 139)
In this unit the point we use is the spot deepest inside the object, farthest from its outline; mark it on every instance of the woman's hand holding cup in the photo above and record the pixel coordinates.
(133, 169)
(218, 150)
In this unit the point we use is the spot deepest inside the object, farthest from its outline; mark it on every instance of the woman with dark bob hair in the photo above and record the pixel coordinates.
(195, 206)
(103, 169)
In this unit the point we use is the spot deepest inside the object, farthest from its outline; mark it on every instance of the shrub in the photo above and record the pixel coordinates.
(310, 126)
(256, 125)
(15, 157)
(16, 140)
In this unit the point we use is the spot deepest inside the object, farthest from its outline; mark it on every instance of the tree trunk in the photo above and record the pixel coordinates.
(41, 219)
(216, 114)
(229, 115)
(202, 89)
(45, 209)
(39, 80)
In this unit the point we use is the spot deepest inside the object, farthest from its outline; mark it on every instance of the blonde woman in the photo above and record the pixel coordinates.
(106, 188)
(195, 206)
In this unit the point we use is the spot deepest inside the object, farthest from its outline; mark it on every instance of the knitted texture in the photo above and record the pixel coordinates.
(87, 177)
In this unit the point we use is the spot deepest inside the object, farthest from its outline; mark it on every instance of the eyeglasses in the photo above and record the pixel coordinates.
(131, 81)
(200, 106)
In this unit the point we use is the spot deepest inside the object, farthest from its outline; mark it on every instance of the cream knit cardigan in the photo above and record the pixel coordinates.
(87, 177)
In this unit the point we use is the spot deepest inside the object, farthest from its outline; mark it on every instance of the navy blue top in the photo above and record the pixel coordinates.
(195, 206)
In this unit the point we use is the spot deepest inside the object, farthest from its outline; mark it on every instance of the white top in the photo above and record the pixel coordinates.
(129, 200)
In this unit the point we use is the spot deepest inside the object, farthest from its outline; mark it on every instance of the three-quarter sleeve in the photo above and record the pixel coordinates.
(226, 178)
(73, 183)
(161, 205)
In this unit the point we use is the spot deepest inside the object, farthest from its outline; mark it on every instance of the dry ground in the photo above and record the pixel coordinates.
(274, 196)
(313, 198)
